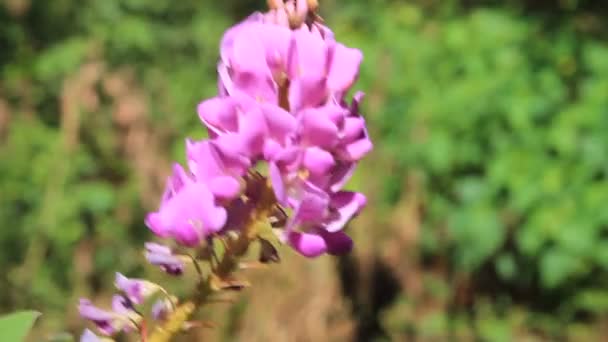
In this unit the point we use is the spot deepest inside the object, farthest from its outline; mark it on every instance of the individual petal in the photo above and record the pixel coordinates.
(196, 204)
(281, 123)
(248, 53)
(163, 257)
(323, 31)
(189, 216)
(354, 127)
(253, 131)
(344, 67)
(307, 54)
(317, 128)
(225, 187)
(337, 243)
(222, 156)
(276, 40)
(278, 185)
(106, 321)
(310, 245)
(307, 91)
(224, 82)
(281, 18)
(312, 205)
(203, 160)
(232, 152)
(344, 206)
(161, 309)
(288, 159)
(188, 233)
(122, 305)
(356, 103)
(137, 290)
(356, 150)
(301, 8)
(157, 224)
(317, 160)
(175, 182)
(257, 85)
(271, 149)
(341, 175)
(219, 114)
(228, 40)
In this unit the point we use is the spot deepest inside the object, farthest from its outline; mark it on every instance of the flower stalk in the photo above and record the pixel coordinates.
(282, 107)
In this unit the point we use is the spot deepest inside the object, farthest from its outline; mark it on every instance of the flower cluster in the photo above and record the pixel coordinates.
(284, 139)
(282, 102)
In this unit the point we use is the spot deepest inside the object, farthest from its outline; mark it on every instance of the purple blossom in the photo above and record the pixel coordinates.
(107, 322)
(282, 101)
(161, 309)
(162, 256)
(136, 290)
(319, 241)
(189, 214)
(283, 80)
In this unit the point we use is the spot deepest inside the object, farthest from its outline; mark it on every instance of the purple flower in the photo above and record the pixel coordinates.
(282, 88)
(108, 322)
(319, 241)
(162, 256)
(161, 309)
(210, 165)
(188, 215)
(136, 290)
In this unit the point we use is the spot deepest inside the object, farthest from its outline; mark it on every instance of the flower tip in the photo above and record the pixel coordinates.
(309, 245)
(89, 336)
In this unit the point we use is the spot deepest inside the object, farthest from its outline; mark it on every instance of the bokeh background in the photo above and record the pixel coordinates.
(488, 188)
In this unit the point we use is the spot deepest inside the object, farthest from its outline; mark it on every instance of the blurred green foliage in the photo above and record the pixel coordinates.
(501, 109)
(506, 119)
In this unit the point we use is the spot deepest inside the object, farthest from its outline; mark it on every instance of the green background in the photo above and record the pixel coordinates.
(488, 188)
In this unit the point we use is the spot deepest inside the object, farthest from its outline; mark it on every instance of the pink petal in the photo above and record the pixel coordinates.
(309, 245)
(253, 130)
(344, 67)
(218, 114)
(280, 122)
(154, 221)
(307, 91)
(337, 243)
(346, 205)
(353, 128)
(308, 54)
(356, 150)
(277, 183)
(225, 187)
(317, 160)
(318, 129)
(341, 175)
(258, 85)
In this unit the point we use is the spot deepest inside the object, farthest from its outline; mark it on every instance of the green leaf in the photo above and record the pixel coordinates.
(15, 326)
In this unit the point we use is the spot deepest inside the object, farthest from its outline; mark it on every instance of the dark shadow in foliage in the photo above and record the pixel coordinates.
(369, 294)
